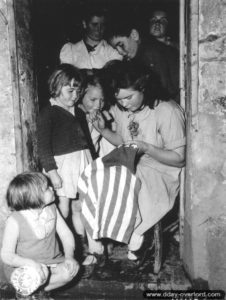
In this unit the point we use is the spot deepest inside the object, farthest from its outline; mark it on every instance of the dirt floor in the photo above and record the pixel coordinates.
(119, 279)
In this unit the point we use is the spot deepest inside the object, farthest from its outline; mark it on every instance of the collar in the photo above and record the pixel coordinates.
(54, 102)
(89, 47)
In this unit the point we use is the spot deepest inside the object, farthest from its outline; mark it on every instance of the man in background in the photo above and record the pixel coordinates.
(158, 28)
(125, 37)
(92, 52)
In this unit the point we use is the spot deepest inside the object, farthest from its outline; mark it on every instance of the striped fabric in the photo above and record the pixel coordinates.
(109, 199)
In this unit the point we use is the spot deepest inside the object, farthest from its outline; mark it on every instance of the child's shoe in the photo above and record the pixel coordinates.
(90, 262)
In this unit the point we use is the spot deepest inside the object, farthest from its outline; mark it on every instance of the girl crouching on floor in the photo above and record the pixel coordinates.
(29, 237)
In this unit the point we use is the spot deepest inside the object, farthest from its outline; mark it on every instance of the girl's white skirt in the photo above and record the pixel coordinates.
(70, 166)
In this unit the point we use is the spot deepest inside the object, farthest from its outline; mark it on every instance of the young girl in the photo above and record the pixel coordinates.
(62, 144)
(92, 102)
(89, 105)
(157, 126)
(29, 237)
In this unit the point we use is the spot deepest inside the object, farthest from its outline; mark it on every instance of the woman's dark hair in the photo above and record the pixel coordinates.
(108, 73)
(63, 75)
(124, 75)
(26, 190)
(120, 26)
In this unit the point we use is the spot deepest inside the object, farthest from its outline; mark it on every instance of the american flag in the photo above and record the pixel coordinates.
(109, 191)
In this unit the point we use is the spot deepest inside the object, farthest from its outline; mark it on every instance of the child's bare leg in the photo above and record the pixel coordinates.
(63, 205)
(76, 217)
(59, 276)
(95, 246)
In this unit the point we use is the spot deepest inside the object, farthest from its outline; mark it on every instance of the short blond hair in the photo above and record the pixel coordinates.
(63, 75)
(26, 191)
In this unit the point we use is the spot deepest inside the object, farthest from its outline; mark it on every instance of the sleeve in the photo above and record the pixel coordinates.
(45, 152)
(171, 126)
(66, 55)
(116, 115)
(113, 112)
(112, 53)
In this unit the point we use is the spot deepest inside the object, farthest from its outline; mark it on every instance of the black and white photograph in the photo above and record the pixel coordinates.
(112, 149)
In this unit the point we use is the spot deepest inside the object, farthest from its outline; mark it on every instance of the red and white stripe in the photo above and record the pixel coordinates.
(109, 201)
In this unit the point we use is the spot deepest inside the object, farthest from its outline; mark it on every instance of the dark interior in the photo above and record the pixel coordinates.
(56, 22)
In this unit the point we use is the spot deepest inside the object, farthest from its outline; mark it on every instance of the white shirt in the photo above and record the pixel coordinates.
(78, 55)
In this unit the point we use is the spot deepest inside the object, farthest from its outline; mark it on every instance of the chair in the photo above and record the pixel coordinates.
(157, 247)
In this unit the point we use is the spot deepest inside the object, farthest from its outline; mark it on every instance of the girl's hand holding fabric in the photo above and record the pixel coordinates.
(72, 266)
(55, 179)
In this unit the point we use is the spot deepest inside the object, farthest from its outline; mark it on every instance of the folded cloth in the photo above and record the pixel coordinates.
(25, 280)
(123, 155)
(109, 191)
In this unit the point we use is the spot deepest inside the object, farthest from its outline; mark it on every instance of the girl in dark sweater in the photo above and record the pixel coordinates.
(63, 146)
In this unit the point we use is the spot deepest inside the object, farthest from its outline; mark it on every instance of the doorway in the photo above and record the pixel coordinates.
(52, 28)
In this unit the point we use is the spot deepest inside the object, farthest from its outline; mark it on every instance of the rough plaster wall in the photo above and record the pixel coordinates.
(18, 104)
(7, 143)
(208, 190)
(27, 81)
(7, 138)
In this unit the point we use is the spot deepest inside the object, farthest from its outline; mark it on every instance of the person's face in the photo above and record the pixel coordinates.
(93, 99)
(94, 28)
(158, 24)
(130, 99)
(126, 46)
(69, 95)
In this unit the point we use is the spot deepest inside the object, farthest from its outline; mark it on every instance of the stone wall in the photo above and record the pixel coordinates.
(205, 221)
(7, 138)
(18, 98)
(23, 11)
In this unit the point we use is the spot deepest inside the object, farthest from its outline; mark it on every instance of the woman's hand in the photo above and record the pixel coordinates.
(174, 158)
(55, 179)
(97, 120)
(142, 146)
(72, 266)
